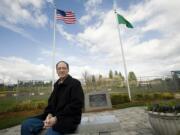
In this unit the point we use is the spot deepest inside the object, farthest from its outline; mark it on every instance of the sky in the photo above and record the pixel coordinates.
(151, 48)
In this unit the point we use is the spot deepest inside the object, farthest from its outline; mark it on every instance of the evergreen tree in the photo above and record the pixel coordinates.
(132, 78)
(121, 76)
(111, 74)
(100, 77)
(116, 73)
(93, 79)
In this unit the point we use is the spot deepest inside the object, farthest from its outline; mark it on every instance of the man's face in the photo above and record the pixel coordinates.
(62, 70)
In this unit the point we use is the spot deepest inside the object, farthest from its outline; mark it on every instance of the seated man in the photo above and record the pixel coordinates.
(63, 112)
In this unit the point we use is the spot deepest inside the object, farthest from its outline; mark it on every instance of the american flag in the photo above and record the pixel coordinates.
(68, 17)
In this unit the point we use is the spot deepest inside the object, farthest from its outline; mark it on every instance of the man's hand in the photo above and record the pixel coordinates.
(46, 121)
(50, 121)
(49, 116)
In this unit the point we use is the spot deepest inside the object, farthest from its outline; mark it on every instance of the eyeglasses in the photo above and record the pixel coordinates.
(61, 68)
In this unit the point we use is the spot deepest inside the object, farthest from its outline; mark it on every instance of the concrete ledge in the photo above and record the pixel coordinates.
(97, 125)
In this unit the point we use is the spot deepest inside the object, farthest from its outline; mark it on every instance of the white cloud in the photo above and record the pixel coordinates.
(50, 1)
(84, 19)
(91, 7)
(13, 69)
(23, 12)
(101, 38)
(145, 53)
(46, 53)
(61, 30)
(91, 4)
(35, 3)
(158, 15)
(16, 14)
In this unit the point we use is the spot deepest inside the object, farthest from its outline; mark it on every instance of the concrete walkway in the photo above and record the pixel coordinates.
(133, 121)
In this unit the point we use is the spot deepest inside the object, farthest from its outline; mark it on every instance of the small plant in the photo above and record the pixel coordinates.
(167, 95)
(165, 108)
(119, 99)
(166, 119)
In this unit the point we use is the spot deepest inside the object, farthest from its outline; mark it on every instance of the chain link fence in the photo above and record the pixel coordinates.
(37, 90)
(143, 84)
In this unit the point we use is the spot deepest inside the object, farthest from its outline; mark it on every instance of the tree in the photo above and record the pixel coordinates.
(116, 73)
(93, 79)
(99, 82)
(87, 79)
(110, 74)
(132, 79)
(121, 76)
(176, 78)
(100, 77)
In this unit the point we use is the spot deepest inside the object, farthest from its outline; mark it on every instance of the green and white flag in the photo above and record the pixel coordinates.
(122, 20)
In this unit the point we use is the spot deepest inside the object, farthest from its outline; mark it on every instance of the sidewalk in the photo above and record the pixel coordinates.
(133, 121)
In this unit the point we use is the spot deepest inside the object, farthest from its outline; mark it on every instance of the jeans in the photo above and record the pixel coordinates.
(33, 126)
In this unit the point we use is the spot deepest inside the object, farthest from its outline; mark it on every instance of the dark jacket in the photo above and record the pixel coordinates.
(66, 103)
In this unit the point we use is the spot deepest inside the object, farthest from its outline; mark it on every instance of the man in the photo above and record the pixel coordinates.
(63, 112)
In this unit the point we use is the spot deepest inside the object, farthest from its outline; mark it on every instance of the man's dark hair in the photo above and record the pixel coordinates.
(67, 65)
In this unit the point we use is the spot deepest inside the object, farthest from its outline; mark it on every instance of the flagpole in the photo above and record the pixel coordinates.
(53, 49)
(122, 52)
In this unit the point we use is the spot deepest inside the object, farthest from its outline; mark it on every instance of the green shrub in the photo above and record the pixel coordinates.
(119, 98)
(40, 104)
(129, 104)
(138, 97)
(143, 97)
(148, 96)
(166, 107)
(29, 105)
(157, 96)
(153, 96)
(167, 95)
(25, 105)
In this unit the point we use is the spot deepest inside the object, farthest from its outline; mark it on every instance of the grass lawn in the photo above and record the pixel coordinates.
(8, 103)
(10, 119)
